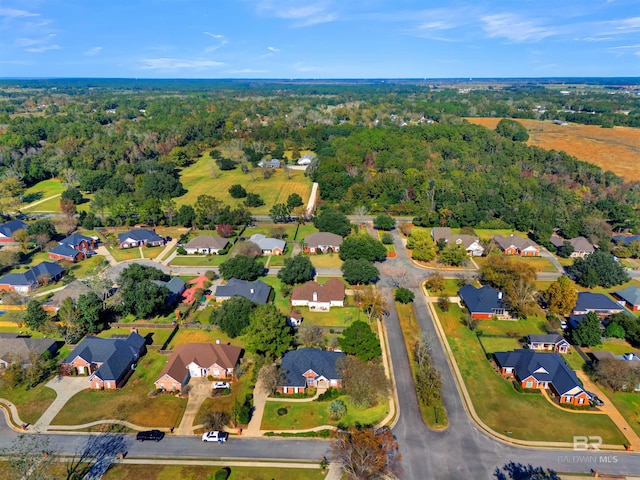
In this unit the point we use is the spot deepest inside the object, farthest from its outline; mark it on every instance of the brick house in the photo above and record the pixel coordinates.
(484, 303)
(319, 297)
(269, 246)
(24, 282)
(309, 367)
(139, 237)
(8, 229)
(515, 245)
(630, 296)
(322, 242)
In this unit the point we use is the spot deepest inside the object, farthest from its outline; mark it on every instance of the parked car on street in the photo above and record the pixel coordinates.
(215, 436)
(155, 435)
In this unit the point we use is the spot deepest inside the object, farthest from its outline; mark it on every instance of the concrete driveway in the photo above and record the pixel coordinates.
(65, 388)
(200, 390)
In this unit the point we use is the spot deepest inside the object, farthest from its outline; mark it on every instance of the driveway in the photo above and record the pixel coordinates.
(65, 388)
(200, 390)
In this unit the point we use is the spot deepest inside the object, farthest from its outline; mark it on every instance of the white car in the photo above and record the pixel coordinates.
(221, 385)
(215, 436)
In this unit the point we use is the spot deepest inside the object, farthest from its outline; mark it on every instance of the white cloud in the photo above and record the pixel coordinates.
(514, 28)
(15, 13)
(273, 49)
(627, 24)
(301, 67)
(303, 14)
(43, 48)
(178, 64)
(92, 52)
(213, 35)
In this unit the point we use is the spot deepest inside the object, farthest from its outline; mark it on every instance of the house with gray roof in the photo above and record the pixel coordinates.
(20, 349)
(205, 245)
(581, 246)
(552, 342)
(139, 237)
(108, 362)
(24, 282)
(8, 229)
(322, 242)
(269, 246)
(258, 291)
(64, 252)
(484, 303)
(516, 245)
(546, 371)
(470, 243)
(626, 239)
(310, 367)
(630, 296)
(176, 287)
(596, 302)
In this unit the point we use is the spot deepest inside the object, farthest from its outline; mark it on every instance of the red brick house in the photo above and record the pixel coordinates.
(198, 360)
(515, 245)
(553, 342)
(630, 296)
(546, 371)
(322, 242)
(309, 367)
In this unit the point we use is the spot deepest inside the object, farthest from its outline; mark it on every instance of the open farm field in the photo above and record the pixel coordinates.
(614, 149)
(198, 180)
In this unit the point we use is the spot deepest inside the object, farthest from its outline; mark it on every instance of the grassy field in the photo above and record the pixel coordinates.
(539, 263)
(303, 415)
(203, 336)
(336, 317)
(326, 260)
(505, 410)
(305, 230)
(411, 331)
(614, 149)
(266, 230)
(628, 404)
(198, 260)
(198, 180)
(512, 328)
(131, 403)
(88, 267)
(31, 403)
(42, 190)
(499, 344)
(616, 346)
(199, 472)
(122, 254)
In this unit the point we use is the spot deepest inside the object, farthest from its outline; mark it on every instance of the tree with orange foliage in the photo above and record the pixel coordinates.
(367, 453)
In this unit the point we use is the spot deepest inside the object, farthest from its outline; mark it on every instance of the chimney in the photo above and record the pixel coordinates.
(628, 356)
(217, 341)
(315, 296)
(499, 295)
(133, 330)
(252, 291)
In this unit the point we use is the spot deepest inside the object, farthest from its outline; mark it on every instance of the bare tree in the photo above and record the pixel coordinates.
(365, 382)
(270, 377)
(216, 420)
(30, 457)
(360, 213)
(287, 171)
(248, 249)
(310, 336)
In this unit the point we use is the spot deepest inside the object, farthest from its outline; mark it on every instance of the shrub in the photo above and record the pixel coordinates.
(210, 378)
(387, 238)
(222, 474)
(282, 411)
(404, 295)
(237, 191)
(329, 394)
(337, 410)
(181, 251)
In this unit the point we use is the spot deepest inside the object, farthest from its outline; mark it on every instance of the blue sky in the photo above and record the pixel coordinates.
(319, 38)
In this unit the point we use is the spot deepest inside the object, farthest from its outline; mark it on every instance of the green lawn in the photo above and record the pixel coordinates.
(121, 471)
(88, 267)
(512, 328)
(198, 260)
(628, 404)
(336, 317)
(607, 291)
(155, 336)
(499, 344)
(485, 234)
(573, 359)
(31, 403)
(505, 410)
(281, 302)
(451, 289)
(326, 260)
(616, 346)
(539, 263)
(42, 190)
(184, 336)
(303, 415)
(305, 230)
(198, 180)
(131, 403)
(122, 254)
(266, 229)
(278, 260)
(411, 331)
(32, 259)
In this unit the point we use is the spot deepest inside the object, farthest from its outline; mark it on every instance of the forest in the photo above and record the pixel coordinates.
(400, 148)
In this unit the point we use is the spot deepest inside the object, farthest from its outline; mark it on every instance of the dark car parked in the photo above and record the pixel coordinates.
(156, 435)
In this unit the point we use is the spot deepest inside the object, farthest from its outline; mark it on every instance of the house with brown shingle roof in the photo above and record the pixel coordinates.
(581, 246)
(198, 360)
(319, 297)
(515, 245)
(205, 244)
(470, 243)
(322, 242)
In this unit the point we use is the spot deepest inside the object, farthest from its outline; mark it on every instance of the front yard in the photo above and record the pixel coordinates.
(193, 335)
(122, 254)
(131, 403)
(326, 260)
(198, 260)
(540, 264)
(31, 403)
(511, 413)
(154, 336)
(628, 404)
(303, 415)
(122, 471)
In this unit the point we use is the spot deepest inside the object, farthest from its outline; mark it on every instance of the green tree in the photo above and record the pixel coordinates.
(358, 339)
(268, 333)
(565, 250)
(614, 330)
(253, 200)
(298, 269)
(233, 316)
(333, 221)
(359, 272)
(422, 246)
(384, 222)
(35, 317)
(72, 194)
(561, 296)
(404, 295)
(453, 254)
(207, 209)
(280, 213)
(242, 267)
(186, 216)
(294, 200)
(91, 310)
(588, 333)
(512, 130)
(598, 269)
(237, 191)
(362, 247)
(143, 299)
(137, 272)
(42, 226)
